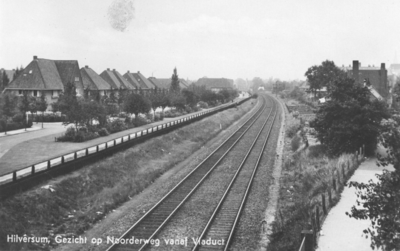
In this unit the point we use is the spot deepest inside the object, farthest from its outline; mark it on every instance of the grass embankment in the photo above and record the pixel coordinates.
(306, 174)
(86, 196)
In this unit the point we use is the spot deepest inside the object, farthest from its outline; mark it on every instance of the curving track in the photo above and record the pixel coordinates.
(150, 224)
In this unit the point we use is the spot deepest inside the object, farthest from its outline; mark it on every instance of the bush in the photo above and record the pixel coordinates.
(18, 118)
(316, 151)
(103, 132)
(295, 143)
(139, 121)
(117, 126)
(48, 117)
(202, 105)
(70, 134)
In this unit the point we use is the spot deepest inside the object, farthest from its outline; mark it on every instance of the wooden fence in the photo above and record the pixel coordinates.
(323, 202)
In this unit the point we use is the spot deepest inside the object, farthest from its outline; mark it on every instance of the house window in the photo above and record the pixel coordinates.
(19, 92)
(35, 93)
(76, 79)
(54, 94)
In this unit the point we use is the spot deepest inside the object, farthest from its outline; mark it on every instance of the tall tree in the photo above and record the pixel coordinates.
(319, 76)
(4, 81)
(68, 104)
(349, 119)
(175, 82)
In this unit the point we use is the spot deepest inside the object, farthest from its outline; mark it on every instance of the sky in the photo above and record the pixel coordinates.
(201, 38)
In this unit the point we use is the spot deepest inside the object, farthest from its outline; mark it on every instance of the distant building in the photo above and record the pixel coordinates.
(92, 82)
(47, 77)
(165, 83)
(216, 84)
(376, 77)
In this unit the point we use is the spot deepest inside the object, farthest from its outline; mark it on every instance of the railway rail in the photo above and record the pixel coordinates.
(151, 223)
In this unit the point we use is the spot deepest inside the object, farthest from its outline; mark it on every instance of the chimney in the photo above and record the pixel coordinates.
(356, 66)
(108, 69)
(128, 71)
(113, 69)
(87, 67)
(138, 72)
(34, 57)
(383, 66)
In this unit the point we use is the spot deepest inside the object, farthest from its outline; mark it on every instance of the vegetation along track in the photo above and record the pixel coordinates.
(150, 224)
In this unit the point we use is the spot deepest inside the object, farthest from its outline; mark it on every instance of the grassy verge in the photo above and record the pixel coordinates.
(306, 175)
(77, 201)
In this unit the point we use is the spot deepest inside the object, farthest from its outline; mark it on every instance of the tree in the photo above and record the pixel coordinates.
(8, 108)
(4, 81)
(190, 97)
(380, 201)
(349, 119)
(155, 100)
(68, 104)
(41, 105)
(257, 82)
(396, 95)
(175, 82)
(25, 105)
(323, 76)
(136, 104)
(177, 100)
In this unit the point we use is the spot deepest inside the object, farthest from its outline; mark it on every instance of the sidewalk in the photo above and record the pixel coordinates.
(339, 231)
(34, 127)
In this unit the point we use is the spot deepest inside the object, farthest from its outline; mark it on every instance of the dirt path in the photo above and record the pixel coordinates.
(340, 232)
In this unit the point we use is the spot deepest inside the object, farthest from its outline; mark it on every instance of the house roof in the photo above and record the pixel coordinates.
(143, 82)
(210, 83)
(111, 79)
(92, 81)
(165, 83)
(123, 81)
(40, 74)
(131, 79)
(156, 83)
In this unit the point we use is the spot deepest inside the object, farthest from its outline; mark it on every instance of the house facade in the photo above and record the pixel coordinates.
(47, 77)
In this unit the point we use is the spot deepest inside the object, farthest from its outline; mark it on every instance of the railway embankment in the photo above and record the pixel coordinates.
(310, 184)
(71, 205)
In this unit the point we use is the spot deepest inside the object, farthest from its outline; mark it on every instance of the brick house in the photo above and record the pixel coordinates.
(165, 83)
(375, 77)
(47, 77)
(139, 81)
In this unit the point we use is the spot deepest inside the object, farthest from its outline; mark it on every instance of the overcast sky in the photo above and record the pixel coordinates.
(213, 38)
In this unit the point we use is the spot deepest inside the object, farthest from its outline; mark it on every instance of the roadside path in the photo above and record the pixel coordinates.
(339, 231)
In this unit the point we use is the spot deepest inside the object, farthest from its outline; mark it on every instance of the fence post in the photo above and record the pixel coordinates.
(334, 182)
(87, 152)
(14, 175)
(48, 164)
(33, 169)
(344, 174)
(317, 218)
(62, 160)
(75, 155)
(323, 203)
(309, 239)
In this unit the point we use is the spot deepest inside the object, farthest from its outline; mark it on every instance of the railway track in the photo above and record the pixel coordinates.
(145, 230)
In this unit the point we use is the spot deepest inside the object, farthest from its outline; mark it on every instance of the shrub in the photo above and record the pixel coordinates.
(295, 143)
(117, 126)
(139, 121)
(316, 151)
(80, 136)
(70, 134)
(103, 132)
(202, 105)
(18, 118)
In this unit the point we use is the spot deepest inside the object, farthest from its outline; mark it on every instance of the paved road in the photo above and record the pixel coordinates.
(339, 232)
(7, 142)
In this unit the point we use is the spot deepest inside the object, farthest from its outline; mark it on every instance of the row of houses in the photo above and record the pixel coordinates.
(48, 77)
